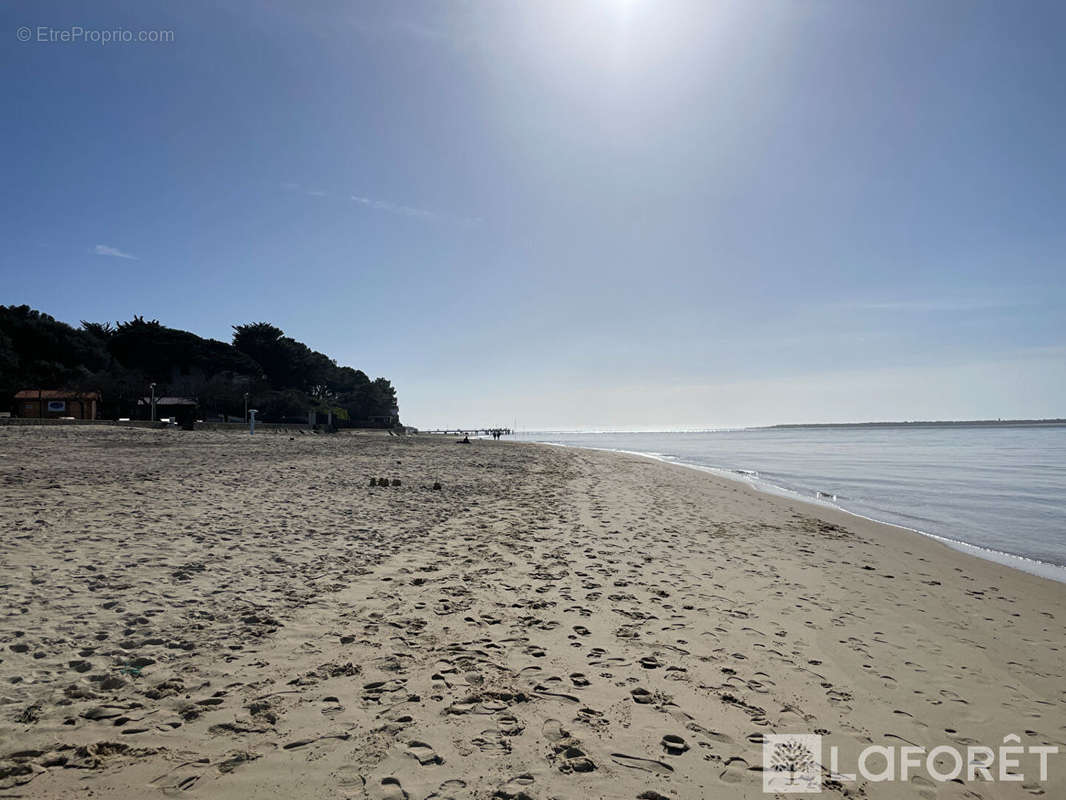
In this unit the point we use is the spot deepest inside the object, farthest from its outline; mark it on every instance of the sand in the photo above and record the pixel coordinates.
(218, 615)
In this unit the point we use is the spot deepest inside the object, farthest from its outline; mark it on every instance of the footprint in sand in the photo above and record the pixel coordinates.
(645, 764)
(423, 753)
(349, 776)
(509, 725)
(395, 721)
(449, 790)
(332, 707)
(388, 789)
(180, 779)
(642, 696)
(236, 759)
(516, 789)
(593, 718)
(714, 736)
(543, 691)
(674, 745)
(566, 749)
(573, 759)
(736, 771)
(492, 743)
(373, 691)
(553, 730)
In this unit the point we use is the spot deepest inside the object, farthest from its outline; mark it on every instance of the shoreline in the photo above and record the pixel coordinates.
(1032, 566)
(216, 615)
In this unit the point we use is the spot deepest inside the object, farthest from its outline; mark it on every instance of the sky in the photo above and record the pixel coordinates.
(563, 214)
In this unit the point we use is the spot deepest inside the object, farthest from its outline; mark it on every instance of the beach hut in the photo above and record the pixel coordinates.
(179, 409)
(56, 403)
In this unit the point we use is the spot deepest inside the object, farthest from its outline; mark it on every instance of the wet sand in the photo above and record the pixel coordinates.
(217, 615)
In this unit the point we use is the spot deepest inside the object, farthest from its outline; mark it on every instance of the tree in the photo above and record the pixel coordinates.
(9, 366)
(37, 351)
(100, 330)
(284, 378)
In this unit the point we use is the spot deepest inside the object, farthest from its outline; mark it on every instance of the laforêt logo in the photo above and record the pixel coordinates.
(792, 763)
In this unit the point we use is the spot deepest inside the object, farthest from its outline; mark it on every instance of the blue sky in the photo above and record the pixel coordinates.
(612, 213)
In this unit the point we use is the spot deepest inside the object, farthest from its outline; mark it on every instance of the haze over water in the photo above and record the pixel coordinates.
(1001, 489)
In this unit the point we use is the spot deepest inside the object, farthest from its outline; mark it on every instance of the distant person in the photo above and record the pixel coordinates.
(464, 440)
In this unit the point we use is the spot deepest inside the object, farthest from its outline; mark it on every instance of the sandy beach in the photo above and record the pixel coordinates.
(197, 614)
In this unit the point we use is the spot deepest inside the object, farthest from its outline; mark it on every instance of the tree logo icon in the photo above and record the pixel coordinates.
(792, 763)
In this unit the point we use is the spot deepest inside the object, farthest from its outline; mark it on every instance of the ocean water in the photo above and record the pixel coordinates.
(996, 491)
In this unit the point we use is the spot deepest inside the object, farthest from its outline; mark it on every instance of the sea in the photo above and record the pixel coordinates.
(996, 491)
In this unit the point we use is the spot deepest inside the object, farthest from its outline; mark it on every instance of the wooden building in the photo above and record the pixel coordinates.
(177, 409)
(56, 403)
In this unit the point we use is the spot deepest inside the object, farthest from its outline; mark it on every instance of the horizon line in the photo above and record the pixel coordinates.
(722, 428)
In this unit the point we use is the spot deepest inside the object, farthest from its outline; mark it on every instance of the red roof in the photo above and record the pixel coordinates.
(55, 394)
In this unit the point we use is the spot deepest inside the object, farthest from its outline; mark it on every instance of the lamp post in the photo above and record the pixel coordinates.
(152, 386)
(246, 408)
(251, 425)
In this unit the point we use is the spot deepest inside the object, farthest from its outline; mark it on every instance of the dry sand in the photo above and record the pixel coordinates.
(217, 615)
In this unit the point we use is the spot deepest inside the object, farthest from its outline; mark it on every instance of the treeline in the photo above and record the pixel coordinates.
(283, 378)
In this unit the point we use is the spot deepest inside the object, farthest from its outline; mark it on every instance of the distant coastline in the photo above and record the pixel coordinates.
(984, 423)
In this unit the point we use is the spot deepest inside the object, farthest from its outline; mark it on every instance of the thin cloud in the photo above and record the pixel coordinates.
(395, 208)
(295, 187)
(114, 252)
(411, 211)
(389, 207)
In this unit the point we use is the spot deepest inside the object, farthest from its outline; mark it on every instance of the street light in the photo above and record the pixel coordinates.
(152, 386)
(246, 408)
